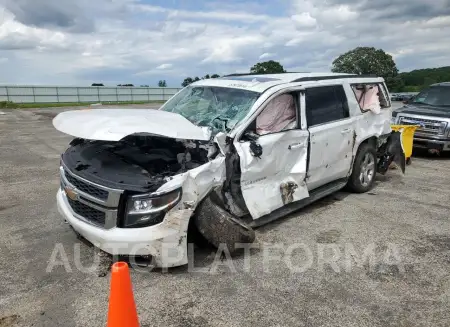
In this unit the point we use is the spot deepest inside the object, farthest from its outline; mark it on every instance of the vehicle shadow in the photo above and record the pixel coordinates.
(424, 154)
(393, 176)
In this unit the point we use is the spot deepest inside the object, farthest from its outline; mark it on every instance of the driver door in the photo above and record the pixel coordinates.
(273, 159)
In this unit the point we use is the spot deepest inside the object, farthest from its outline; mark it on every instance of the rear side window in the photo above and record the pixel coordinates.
(371, 96)
(325, 104)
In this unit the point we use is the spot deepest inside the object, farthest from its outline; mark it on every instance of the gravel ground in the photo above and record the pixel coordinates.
(404, 223)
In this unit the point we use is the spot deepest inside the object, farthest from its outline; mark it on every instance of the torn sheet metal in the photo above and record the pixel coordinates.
(370, 124)
(282, 161)
(115, 124)
(198, 182)
(392, 151)
(220, 140)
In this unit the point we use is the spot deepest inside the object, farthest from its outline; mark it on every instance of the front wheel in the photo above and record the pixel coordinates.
(219, 227)
(364, 170)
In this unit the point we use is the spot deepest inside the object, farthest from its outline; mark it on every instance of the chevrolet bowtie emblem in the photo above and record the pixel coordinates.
(71, 194)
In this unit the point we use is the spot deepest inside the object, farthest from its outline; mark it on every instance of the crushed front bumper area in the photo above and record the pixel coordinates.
(165, 242)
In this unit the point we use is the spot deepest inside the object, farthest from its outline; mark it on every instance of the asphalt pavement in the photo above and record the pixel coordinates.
(307, 269)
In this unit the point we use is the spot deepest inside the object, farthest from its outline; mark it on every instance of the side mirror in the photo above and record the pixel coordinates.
(250, 136)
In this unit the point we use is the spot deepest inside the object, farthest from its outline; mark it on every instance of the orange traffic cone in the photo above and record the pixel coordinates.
(122, 309)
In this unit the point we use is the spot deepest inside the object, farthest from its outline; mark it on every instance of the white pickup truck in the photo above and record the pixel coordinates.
(223, 156)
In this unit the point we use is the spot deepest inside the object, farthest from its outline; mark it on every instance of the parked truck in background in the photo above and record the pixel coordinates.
(430, 109)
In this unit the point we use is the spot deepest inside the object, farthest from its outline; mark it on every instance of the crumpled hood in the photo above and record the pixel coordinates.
(115, 124)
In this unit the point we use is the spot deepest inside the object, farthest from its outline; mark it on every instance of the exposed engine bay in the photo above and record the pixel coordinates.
(136, 163)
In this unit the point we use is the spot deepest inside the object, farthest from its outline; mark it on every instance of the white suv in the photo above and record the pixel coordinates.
(223, 155)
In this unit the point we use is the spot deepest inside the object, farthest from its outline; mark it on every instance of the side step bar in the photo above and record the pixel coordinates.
(315, 195)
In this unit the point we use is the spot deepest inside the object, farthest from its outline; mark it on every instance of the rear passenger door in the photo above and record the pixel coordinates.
(331, 134)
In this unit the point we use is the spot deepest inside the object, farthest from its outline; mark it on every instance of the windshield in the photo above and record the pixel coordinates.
(434, 96)
(219, 108)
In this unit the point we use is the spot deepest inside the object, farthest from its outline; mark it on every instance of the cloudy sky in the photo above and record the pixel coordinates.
(77, 42)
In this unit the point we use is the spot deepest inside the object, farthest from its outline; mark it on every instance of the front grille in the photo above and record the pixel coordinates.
(427, 126)
(92, 215)
(87, 188)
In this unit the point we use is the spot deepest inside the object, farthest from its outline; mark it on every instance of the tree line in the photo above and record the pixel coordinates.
(364, 61)
(360, 61)
(189, 80)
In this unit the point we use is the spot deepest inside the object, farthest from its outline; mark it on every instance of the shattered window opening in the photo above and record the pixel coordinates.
(280, 114)
(370, 97)
(216, 107)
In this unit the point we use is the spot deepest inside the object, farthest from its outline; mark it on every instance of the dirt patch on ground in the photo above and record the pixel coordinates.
(9, 321)
(382, 272)
(329, 236)
(46, 115)
(431, 243)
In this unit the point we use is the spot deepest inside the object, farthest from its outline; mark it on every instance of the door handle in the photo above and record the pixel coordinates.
(345, 131)
(295, 146)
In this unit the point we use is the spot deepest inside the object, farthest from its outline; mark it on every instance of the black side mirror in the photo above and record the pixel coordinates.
(250, 136)
(255, 149)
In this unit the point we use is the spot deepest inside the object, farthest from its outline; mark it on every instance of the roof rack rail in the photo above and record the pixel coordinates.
(321, 78)
(246, 74)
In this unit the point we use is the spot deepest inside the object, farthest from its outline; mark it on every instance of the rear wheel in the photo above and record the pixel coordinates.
(364, 169)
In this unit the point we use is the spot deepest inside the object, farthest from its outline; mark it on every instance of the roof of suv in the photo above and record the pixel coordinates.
(261, 82)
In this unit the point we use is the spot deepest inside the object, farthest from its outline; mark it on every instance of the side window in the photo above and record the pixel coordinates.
(371, 96)
(325, 104)
(280, 114)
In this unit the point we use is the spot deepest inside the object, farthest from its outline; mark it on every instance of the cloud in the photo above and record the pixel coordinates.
(304, 20)
(51, 13)
(164, 66)
(266, 55)
(137, 41)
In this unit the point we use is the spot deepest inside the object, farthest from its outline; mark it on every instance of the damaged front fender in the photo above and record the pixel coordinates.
(198, 182)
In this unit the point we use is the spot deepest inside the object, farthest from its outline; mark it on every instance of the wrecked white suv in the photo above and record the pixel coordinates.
(223, 155)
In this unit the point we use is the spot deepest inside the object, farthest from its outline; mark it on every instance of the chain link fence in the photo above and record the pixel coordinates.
(92, 94)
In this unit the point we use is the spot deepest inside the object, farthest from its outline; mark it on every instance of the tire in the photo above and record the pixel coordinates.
(364, 171)
(218, 226)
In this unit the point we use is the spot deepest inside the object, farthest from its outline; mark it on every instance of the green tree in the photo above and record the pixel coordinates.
(187, 81)
(162, 83)
(428, 81)
(267, 67)
(365, 60)
(395, 84)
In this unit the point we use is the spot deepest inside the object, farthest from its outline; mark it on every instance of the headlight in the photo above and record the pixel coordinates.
(393, 120)
(147, 210)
